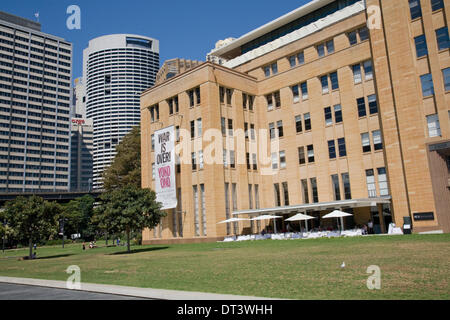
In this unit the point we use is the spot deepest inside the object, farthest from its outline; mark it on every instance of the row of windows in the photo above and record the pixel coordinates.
(416, 10)
(442, 39)
(28, 166)
(428, 86)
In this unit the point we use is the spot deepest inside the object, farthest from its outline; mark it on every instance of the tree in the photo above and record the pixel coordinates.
(126, 167)
(128, 209)
(32, 218)
(78, 213)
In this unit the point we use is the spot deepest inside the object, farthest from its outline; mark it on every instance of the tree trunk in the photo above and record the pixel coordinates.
(106, 236)
(128, 240)
(30, 243)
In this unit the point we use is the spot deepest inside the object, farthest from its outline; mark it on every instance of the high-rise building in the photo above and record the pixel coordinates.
(116, 69)
(35, 83)
(81, 153)
(357, 94)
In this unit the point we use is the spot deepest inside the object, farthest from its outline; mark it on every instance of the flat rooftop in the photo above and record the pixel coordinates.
(4, 16)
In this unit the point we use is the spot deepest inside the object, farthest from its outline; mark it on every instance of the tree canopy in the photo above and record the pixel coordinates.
(126, 167)
(128, 209)
(78, 213)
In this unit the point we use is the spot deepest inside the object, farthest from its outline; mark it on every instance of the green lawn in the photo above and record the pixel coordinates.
(412, 267)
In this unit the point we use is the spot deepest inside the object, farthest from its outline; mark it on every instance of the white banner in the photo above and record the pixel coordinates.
(165, 185)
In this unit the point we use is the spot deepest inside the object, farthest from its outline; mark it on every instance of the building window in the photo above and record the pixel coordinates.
(382, 182)
(271, 70)
(305, 191)
(222, 124)
(196, 217)
(192, 129)
(225, 158)
(331, 149)
(274, 161)
(321, 50)
(272, 130)
(377, 141)
(274, 68)
(194, 161)
(365, 140)
(357, 73)
(298, 124)
(234, 201)
(368, 70)
(256, 196)
(199, 127)
(250, 197)
(437, 4)
(414, 7)
(442, 38)
(328, 116)
(295, 93)
(363, 34)
(232, 159)
(252, 132)
(330, 46)
(371, 188)
(153, 171)
(434, 129)
(334, 81)
(427, 85)
(202, 197)
(269, 102)
(324, 82)
(200, 159)
(307, 118)
(285, 193)
(301, 58)
(304, 88)
(229, 93)
(421, 46)
(247, 160)
(446, 76)
(315, 192)
(292, 61)
(310, 150)
(255, 163)
(267, 71)
(338, 113)
(191, 98)
(301, 155)
(230, 127)
(227, 205)
(342, 148)
(246, 130)
(280, 129)
(277, 195)
(222, 94)
(361, 107)
(336, 188)
(373, 106)
(347, 189)
(153, 142)
(352, 38)
(282, 159)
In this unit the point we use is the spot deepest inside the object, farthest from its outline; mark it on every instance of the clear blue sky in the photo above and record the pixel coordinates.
(185, 29)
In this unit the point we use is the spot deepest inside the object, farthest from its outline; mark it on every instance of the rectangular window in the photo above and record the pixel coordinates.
(292, 61)
(285, 193)
(446, 76)
(347, 189)
(315, 192)
(252, 131)
(197, 95)
(301, 155)
(342, 148)
(196, 217)
(225, 158)
(331, 149)
(222, 94)
(274, 68)
(416, 10)
(222, 123)
(246, 130)
(427, 85)
(250, 196)
(202, 197)
(256, 196)
(272, 130)
(336, 188)
(437, 4)
(368, 70)
(234, 201)
(277, 195)
(324, 81)
(421, 46)
(442, 38)
(352, 38)
(365, 140)
(200, 159)
(307, 118)
(227, 205)
(192, 129)
(305, 191)
(247, 160)
(232, 159)
(298, 124)
(377, 141)
(373, 106)
(255, 163)
(153, 171)
(382, 182)
(274, 160)
(371, 188)
(194, 161)
(310, 150)
(321, 50)
(434, 128)
(328, 116)
(199, 127)
(363, 34)
(295, 93)
(229, 93)
(177, 133)
(357, 73)
(334, 81)
(361, 107)
(330, 46)
(267, 71)
(269, 102)
(338, 113)
(230, 127)
(153, 142)
(282, 159)
(304, 88)
(301, 58)
(191, 98)
(177, 106)
(276, 97)
(280, 129)
(244, 101)
(251, 99)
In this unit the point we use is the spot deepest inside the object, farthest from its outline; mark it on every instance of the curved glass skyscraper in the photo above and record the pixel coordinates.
(116, 69)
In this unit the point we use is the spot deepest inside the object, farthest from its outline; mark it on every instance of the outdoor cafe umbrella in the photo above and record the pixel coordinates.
(233, 220)
(301, 217)
(268, 217)
(338, 214)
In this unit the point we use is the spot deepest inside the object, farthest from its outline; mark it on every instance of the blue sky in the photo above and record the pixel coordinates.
(185, 29)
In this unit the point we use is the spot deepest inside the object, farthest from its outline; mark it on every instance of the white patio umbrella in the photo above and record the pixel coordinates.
(301, 217)
(337, 214)
(234, 220)
(268, 217)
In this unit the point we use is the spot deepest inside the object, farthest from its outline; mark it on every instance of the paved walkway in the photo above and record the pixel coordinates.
(158, 294)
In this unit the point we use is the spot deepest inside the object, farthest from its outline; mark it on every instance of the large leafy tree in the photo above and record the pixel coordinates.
(126, 167)
(78, 214)
(128, 209)
(32, 219)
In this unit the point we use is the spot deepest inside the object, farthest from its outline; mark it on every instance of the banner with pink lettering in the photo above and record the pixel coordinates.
(165, 188)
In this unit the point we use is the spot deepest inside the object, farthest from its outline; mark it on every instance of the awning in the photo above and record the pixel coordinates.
(321, 206)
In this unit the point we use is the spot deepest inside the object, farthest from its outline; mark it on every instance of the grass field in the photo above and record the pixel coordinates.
(412, 267)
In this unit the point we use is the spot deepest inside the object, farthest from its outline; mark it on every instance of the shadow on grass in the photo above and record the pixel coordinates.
(55, 257)
(139, 251)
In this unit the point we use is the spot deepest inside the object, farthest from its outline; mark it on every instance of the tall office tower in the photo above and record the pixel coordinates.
(35, 81)
(116, 69)
(81, 161)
